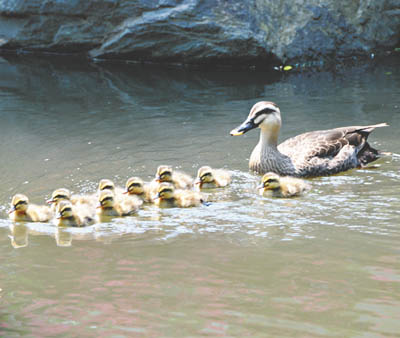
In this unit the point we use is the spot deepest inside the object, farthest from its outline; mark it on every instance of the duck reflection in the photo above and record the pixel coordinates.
(19, 235)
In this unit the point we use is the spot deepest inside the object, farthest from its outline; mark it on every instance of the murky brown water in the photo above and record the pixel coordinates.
(326, 264)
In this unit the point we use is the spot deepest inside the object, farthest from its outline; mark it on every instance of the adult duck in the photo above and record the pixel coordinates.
(316, 153)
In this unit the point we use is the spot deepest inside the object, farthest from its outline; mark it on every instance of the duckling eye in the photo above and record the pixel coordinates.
(65, 210)
(270, 180)
(59, 197)
(19, 203)
(134, 185)
(109, 187)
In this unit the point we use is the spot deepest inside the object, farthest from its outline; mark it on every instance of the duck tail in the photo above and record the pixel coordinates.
(370, 128)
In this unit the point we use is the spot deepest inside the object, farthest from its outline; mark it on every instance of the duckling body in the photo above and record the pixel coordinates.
(168, 197)
(272, 185)
(315, 153)
(67, 216)
(110, 207)
(136, 187)
(22, 211)
(84, 205)
(208, 178)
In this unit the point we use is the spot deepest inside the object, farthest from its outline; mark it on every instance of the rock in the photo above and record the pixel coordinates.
(201, 31)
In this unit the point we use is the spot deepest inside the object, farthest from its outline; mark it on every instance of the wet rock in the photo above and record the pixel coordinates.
(201, 31)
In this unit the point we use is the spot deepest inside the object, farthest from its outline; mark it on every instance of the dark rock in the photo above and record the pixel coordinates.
(201, 31)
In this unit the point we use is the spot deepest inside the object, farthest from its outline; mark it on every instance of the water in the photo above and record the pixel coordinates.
(323, 265)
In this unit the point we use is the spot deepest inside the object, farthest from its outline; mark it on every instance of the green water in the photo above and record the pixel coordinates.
(323, 265)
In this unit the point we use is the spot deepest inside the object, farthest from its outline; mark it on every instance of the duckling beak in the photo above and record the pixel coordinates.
(11, 210)
(261, 186)
(50, 201)
(197, 181)
(58, 216)
(243, 128)
(126, 192)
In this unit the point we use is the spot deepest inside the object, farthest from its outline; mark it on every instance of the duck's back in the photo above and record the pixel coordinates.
(325, 152)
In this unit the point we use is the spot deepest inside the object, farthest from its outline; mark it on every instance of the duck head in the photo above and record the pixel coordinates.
(106, 199)
(165, 191)
(134, 186)
(164, 174)
(270, 181)
(59, 195)
(265, 115)
(64, 209)
(204, 175)
(106, 184)
(19, 203)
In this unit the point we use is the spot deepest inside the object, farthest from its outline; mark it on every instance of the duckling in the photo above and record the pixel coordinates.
(110, 207)
(108, 184)
(22, 211)
(84, 205)
(67, 216)
(208, 178)
(272, 185)
(168, 197)
(135, 186)
(179, 179)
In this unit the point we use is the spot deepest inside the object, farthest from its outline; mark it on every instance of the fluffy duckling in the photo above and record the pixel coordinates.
(272, 185)
(84, 205)
(66, 215)
(110, 207)
(179, 179)
(136, 187)
(22, 211)
(168, 197)
(108, 184)
(208, 178)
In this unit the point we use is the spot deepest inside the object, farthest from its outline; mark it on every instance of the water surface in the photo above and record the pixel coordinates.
(323, 265)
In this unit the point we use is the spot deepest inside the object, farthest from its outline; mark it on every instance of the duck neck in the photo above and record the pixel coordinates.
(269, 138)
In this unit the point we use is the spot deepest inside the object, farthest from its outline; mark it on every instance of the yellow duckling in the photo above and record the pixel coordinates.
(136, 187)
(179, 179)
(168, 197)
(84, 205)
(272, 185)
(67, 216)
(208, 178)
(110, 207)
(22, 211)
(105, 184)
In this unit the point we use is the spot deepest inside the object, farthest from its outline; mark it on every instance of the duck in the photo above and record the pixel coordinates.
(108, 184)
(314, 153)
(179, 179)
(67, 216)
(209, 178)
(84, 205)
(136, 187)
(168, 197)
(272, 185)
(109, 206)
(22, 211)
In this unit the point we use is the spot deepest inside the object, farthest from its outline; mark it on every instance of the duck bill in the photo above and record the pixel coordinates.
(11, 210)
(50, 201)
(261, 186)
(198, 182)
(243, 128)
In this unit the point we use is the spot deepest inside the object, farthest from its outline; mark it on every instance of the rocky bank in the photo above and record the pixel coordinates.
(201, 31)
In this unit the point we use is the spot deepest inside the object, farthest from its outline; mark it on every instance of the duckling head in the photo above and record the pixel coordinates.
(106, 184)
(265, 115)
(19, 203)
(270, 181)
(106, 199)
(204, 175)
(64, 209)
(134, 186)
(165, 191)
(59, 195)
(164, 174)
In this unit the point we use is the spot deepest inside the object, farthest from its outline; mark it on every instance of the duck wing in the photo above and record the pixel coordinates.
(333, 148)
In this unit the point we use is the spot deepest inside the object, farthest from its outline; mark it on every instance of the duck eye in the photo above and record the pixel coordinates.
(109, 187)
